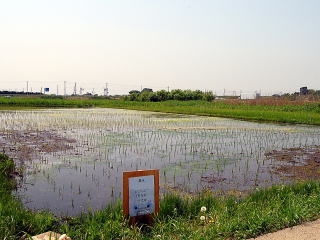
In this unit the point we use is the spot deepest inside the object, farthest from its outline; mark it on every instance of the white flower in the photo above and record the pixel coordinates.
(64, 237)
(203, 209)
(158, 236)
(202, 218)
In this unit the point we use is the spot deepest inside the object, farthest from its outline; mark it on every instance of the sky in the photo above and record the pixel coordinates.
(238, 45)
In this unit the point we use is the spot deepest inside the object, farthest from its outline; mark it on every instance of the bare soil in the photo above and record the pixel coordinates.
(297, 163)
(29, 144)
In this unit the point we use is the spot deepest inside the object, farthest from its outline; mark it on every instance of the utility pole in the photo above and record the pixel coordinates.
(168, 89)
(75, 89)
(65, 88)
(27, 86)
(57, 90)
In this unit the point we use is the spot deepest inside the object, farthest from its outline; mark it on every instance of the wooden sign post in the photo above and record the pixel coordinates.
(141, 195)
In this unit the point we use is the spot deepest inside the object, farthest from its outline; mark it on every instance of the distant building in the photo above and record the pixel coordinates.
(304, 91)
(147, 90)
(134, 92)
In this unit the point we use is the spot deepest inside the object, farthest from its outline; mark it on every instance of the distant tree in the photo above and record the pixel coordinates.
(198, 95)
(147, 94)
(188, 95)
(154, 97)
(163, 95)
(134, 95)
(134, 92)
(311, 92)
(177, 94)
(208, 96)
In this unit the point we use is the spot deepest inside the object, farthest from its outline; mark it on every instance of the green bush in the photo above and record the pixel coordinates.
(6, 165)
(162, 95)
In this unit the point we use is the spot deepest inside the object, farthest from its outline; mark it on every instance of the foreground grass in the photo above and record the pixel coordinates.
(179, 218)
(308, 113)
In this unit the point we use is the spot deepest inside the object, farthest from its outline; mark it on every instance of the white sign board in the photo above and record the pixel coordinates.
(141, 195)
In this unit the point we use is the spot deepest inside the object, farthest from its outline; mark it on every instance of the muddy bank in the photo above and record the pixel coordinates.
(30, 144)
(296, 163)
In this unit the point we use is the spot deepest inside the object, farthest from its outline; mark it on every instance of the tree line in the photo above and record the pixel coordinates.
(147, 95)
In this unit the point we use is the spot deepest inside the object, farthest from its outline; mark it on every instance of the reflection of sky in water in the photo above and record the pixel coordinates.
(193, 153)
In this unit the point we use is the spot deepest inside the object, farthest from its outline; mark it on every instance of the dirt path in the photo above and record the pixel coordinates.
(306, 231)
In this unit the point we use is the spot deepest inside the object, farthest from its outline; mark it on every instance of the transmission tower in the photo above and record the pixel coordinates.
(65, 88)
(106, 90)
(75, 89)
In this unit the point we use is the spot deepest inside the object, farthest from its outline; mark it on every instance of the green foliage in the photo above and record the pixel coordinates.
(6, 168)
(208, 96)
(310, 93)
(15, 221)
(306, 114)
(163, 95)
(52, 96)
(6, 165)
(105, 224)
(176, 94)
(145, 96)
(48, 102)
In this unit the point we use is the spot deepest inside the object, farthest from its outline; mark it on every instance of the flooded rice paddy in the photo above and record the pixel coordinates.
(72, 160)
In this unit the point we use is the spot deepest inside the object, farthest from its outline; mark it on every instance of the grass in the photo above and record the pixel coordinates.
(15, 221)
(262, 211)
(306, 113)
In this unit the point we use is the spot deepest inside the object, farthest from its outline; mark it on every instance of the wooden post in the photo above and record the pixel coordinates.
(141, 196)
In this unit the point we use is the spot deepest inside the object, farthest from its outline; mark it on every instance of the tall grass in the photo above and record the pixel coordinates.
(264, 210)
(15, 221)
(305, 114)
(46, 102)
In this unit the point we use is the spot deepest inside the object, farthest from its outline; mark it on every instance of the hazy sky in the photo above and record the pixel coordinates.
(272, 45)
